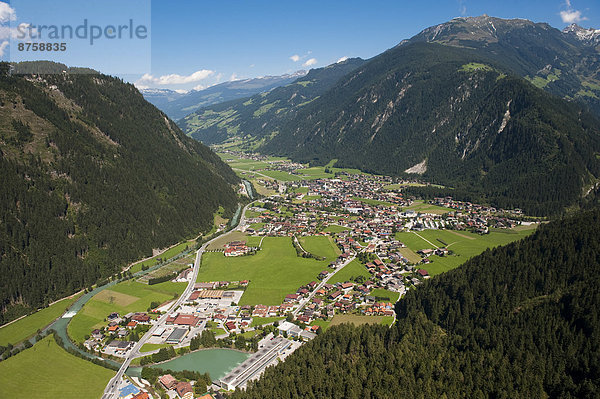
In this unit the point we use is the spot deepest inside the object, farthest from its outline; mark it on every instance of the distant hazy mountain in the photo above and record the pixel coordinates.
(250, 117)
(177, 105)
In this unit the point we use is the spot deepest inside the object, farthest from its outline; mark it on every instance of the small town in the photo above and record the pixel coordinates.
(361, 216)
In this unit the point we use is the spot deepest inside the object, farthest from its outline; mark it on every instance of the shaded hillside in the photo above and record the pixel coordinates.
(261, 115)
(517, 321)
(93, 176)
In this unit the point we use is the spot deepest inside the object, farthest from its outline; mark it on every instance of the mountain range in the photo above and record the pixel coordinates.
(503, 111)
(177, 105)
(93, 176)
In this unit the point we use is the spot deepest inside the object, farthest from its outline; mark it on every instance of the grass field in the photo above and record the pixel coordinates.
(48, 371)
(320, 246)
(322, 323)
(126, 297)
(373, 202)
(409, 254)
(259, 321)
(421, 206)
(464, 245)
(334, 228)
(381, 293)
(274, 272)
(28, 326)
(351, 271)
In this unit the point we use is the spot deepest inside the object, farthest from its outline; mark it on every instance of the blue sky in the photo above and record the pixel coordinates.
(198, 43)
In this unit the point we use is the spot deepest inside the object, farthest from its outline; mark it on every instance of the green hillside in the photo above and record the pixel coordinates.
(93, 177)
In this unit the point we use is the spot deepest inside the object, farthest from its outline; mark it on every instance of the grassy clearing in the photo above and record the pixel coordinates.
(464, 245)
(48, 371)
(357, 320)
(94, 312)
(350, 272)
(259, 321)
(334, 228)
(28, 326)
(324, 324)
(274, 272)
(382, 293)
(423, 207)
(151, 347)
(409, 254)
(321, 246)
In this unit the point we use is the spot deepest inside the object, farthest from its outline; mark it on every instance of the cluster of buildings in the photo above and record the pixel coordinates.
(236, 248)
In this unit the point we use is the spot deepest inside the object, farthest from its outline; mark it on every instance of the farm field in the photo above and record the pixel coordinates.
(28, 326)
(320, 246)
(381, 293)
(48, 371)
(350, 272)
(233, 236)
(274, 272)
(123, 298)
(423, 207)
(464, 244)
(334, 228)
(373, 202)
(174, 266)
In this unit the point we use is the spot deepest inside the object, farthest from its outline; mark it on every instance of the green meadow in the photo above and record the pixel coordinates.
(464, 244)
(320, 246)
(349, 272)
(28, 326)
(273, 272)
(48, 371)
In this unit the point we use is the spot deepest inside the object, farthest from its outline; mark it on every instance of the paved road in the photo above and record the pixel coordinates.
(111, 391)
(305, 301)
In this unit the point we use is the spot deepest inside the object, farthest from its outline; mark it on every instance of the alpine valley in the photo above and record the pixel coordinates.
(502, 111)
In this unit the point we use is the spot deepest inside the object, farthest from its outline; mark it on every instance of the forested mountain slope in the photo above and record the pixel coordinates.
(456, 118)
(257, 118)
(92, 176)
(517, 321)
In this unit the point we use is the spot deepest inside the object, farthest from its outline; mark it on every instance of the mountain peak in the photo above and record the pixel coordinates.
(590, 35)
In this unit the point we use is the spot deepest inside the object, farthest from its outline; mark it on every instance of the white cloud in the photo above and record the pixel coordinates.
(342, 59)
(309, 62)
(234, 76)
(295, 58)
(571, 15)
(7, 13)
(181, 91)
(3, 47)
(462, 8)
(174, 79)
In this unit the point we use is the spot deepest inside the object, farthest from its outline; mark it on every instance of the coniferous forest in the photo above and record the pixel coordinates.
(92, 177)
(517, 321)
